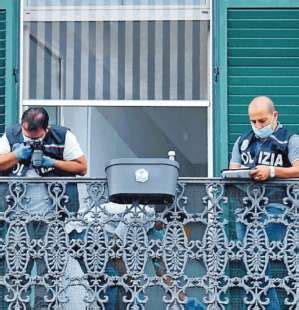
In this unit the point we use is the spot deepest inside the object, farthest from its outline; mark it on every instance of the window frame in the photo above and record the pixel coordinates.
(117, 13)
(121, 13)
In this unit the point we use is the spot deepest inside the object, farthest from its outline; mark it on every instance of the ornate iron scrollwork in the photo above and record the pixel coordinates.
(217, 244)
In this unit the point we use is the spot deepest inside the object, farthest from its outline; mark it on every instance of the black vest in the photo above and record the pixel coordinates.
(272, 151)
(53, 142)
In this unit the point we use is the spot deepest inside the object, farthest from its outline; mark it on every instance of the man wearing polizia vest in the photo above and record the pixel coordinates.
(35, 149)
(269, 147)
(270, 150)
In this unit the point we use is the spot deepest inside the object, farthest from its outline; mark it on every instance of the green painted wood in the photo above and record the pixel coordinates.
(259, 90)
(276, 14)
(9, 53)
(8, 88)
(220, 121)
(3, 51)
(262, 4)
(260, 52)
(269, 23)
(263, 59)
(264, 71)
(264, 42)
(263, 33)
(263, 81)
(247, 27)
(286, 100)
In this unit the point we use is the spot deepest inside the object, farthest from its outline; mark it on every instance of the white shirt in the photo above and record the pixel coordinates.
(72, 149)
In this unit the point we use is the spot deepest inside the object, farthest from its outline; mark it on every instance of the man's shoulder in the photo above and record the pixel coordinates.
(56, 134)
(13, 134)
(15, 129)
(294, 139)
(57, 128)
(284, 133)
(246, 136)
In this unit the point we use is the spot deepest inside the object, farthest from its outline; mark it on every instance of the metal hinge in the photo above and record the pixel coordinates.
(216, 74)
(15, 73)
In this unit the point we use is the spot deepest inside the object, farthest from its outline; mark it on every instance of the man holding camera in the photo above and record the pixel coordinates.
(62, 155)
(35, 149)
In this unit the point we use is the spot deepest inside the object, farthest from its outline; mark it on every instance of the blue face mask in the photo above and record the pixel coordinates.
(264, 132)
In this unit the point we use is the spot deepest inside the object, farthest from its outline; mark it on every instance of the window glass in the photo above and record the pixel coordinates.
(122, 132)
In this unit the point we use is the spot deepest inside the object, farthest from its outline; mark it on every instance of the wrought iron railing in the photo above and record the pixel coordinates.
(221, 245)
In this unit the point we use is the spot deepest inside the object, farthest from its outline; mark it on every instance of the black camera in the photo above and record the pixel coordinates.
(37, 154)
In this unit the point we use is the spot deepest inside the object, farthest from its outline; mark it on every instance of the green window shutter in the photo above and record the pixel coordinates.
(263, 59)
(9, 51)
(3, 292)
(2, 68)
(8, 89)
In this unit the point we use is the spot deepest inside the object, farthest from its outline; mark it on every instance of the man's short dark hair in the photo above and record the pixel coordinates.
(36, 118)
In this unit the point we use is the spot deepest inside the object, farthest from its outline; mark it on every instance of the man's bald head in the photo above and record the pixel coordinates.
(261, 103)
(261, 112)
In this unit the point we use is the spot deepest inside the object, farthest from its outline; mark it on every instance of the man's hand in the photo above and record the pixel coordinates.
(260, 173)
(48, 162)
(22, 151)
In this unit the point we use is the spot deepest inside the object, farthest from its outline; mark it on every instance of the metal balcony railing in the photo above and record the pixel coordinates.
(221, 245)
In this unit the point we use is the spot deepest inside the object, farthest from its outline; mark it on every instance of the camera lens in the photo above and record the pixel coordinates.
(36, 159)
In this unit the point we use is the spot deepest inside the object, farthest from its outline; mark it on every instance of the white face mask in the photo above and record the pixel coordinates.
(40, 139)
(264, 132)
(34, 140)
